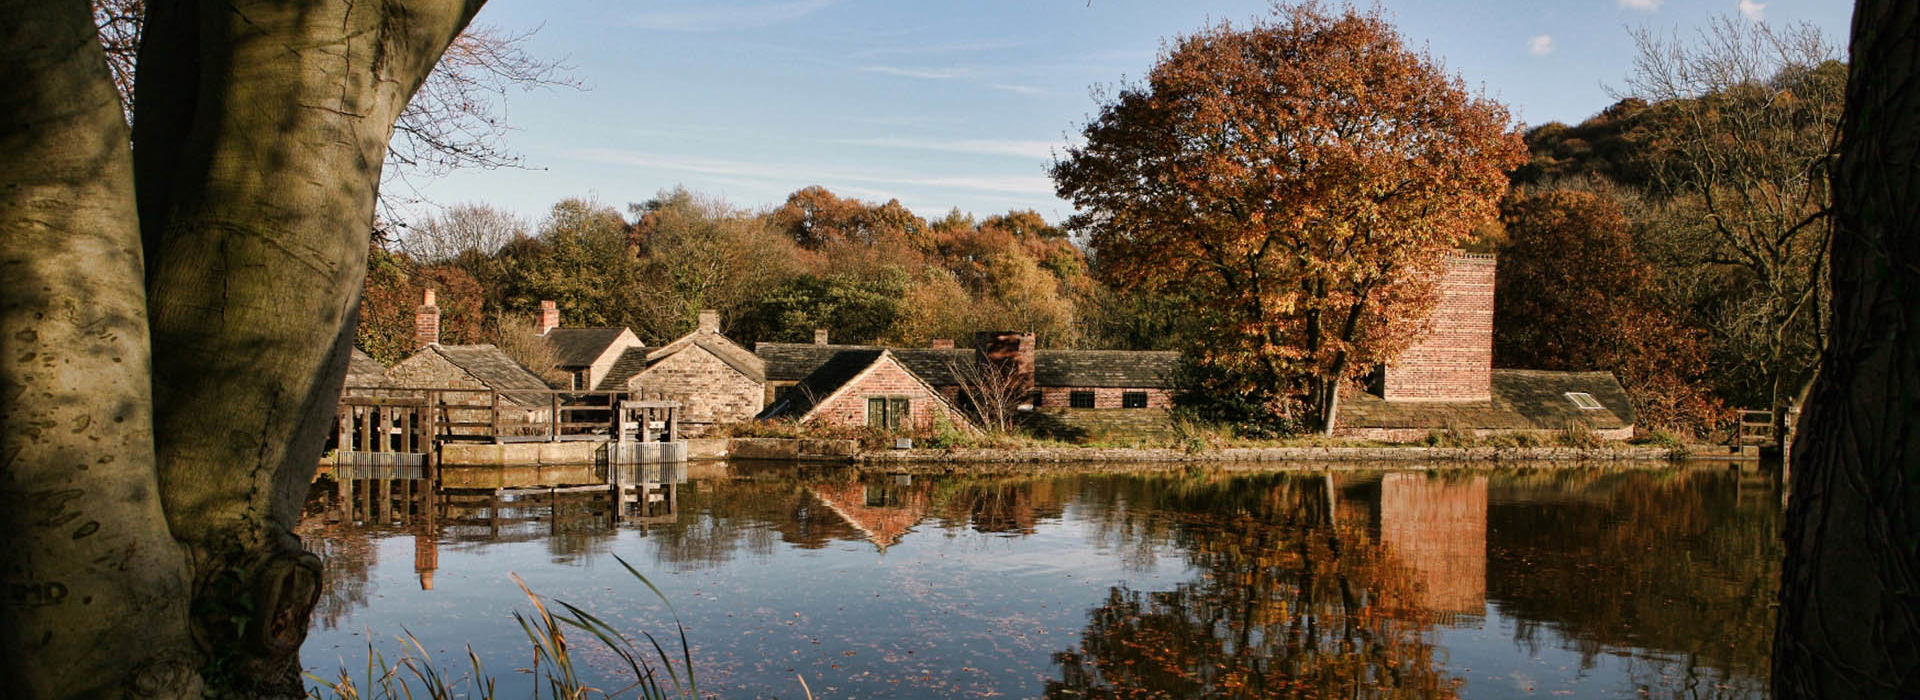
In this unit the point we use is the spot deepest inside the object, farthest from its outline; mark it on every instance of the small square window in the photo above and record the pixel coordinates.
(1584, 400)
(1133, 399)
(1080, 399)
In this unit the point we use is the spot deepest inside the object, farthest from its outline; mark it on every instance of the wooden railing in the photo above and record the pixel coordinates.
(486, 414)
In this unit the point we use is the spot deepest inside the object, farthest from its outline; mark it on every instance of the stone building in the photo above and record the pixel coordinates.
(869, 387)
(482, 370)
(364, 373)
(1446, 380)
(714, 379)
(583, 356)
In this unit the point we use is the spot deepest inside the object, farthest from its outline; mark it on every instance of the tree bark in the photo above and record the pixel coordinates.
(1849, 624)
(162, 422)
(257, 198)
(96, 590)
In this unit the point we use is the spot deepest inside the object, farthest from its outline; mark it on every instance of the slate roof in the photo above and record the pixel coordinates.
(841, 364)
(1522, 400)
(364, 371)
(1105, 368)
(637, 360)
(578, 347)
(498, 371)
(789, 362)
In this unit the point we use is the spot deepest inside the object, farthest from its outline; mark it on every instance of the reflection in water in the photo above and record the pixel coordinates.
(1172, 584)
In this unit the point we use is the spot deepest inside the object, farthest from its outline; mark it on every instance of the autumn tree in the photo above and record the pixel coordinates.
(1849, 621)
(1301, 180)
(1576, 295)
(698, 252)
(178, 302)
(1742, 120)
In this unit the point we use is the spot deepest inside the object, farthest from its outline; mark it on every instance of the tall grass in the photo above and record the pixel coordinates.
(414, 674)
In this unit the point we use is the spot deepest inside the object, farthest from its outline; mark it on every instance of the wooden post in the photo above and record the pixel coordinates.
(496, 416)
(362, 417)
(553, 417)
(343, 442)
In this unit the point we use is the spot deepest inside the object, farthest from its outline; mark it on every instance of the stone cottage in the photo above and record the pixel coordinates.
(1447, 381)
(483, 369)
(869, 387)
(584, 356)
(714, 379)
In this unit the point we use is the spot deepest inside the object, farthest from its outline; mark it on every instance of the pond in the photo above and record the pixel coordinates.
(1494, 583)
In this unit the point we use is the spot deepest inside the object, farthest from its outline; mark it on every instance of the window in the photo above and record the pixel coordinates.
(1133, 399)
(888, 412)
(580, 381)
(1080, 399)
(1584, 400)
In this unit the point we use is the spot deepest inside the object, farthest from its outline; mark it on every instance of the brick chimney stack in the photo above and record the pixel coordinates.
(1010, 349)
(819, 336)
(1453, 361)
(943, 343)
(426, 323)
(549, 316)
(709, 321)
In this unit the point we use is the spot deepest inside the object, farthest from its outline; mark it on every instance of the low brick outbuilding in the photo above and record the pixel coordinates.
(867, 387)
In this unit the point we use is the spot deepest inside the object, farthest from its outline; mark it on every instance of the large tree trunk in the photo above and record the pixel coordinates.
(96, 589)
(256, 203)
(161, 425)
(1849, 623)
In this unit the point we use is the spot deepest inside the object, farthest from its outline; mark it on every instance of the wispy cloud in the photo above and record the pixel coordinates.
(1641, 5)
(1540, 45)
(996, 147)
(919, 73)
(1753, 10)
(717, 17)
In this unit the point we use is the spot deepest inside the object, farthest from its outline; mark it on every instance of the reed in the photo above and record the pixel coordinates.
(414, 673)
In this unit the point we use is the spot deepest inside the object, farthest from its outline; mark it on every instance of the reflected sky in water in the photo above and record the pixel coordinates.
(1382, 584)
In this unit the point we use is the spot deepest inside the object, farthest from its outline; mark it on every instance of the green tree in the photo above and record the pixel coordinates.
(1301, 180)
(1849, 620)
(582, 260)
(174, 347)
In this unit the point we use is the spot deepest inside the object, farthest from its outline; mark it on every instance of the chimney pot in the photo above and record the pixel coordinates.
(428, 298)
(943, 343)
(709, 321)
(819, 336)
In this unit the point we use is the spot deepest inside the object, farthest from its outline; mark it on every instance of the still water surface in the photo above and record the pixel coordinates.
(1387, 584)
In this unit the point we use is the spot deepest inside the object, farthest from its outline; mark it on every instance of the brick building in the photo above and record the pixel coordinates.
(583, 356)
(714, 379)
(866, 386)
(1447, 381)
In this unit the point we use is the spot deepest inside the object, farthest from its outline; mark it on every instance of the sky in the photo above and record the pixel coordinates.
(956, 103)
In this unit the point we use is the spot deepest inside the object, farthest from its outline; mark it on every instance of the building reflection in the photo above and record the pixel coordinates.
(1436, 528)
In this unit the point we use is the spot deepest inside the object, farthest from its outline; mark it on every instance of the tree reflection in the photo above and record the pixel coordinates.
(1291, 601)
(1685, 562)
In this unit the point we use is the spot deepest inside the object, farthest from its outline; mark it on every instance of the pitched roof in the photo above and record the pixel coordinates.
(637, 360)
(1105, 368)
(1522, 400)
(787, 362)
(364, 371)
(842, 364)
(498, 371)
(578, 347)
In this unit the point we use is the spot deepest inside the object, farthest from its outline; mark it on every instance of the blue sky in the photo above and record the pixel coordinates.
(956, 103)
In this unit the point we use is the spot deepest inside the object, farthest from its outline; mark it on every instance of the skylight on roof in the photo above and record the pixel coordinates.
(1584, 400)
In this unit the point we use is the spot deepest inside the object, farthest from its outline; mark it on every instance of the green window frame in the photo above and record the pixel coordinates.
(888, 412)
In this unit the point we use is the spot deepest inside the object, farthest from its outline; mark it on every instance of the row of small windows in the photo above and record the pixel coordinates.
(1084, 399)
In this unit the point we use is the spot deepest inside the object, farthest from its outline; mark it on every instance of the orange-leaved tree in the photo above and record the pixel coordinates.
(1301, 180)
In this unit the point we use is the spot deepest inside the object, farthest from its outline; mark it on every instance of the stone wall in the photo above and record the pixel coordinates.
(429, 370)
(1417, 435)
(1453, 361)
(709, 391)
(886, 379)
(600, 367)
(1103, 397)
